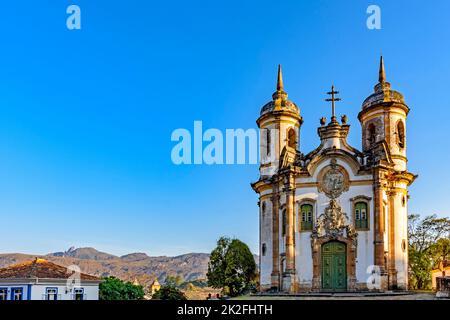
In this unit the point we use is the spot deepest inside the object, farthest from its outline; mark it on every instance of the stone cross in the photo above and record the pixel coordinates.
(333, 99)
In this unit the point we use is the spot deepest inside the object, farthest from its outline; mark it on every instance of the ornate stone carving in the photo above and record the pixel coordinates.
(333, 224)
(334, 180)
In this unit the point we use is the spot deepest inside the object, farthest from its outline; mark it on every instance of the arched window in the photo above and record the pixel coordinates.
(292, 138)
(401, 134)
(371, 134)
(263, 208)
(263, 249)
(283, 223)
(268, 142)
(361, 216)
(306, 216)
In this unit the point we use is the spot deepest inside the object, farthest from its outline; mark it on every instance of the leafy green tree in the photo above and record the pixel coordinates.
(420, 266)
(168, 291)
(440, 251)
(429, 244)
(175, 281)
(217, 264)
(112, 288)
(231, 267)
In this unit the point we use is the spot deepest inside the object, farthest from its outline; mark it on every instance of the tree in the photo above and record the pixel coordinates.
(217, 265)
(169, 292)
(112, 288)
(440, 251)
(231, 267)
(175, 281)
(423, 234)
(429, 244)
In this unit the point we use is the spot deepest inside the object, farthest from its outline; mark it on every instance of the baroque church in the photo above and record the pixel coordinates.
(334, 219)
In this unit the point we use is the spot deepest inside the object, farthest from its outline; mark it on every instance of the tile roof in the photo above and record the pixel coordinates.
(39, 268)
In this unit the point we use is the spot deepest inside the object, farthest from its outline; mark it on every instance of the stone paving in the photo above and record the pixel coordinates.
(393, 296)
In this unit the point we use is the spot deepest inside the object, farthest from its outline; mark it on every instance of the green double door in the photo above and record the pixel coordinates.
(334, 266)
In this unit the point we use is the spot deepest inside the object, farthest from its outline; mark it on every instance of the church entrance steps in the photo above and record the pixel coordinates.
(336, 294)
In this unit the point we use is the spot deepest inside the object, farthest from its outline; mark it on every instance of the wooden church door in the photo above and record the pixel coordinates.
(334, 266)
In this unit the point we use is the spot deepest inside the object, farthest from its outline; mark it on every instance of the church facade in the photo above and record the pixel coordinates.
(334, 219)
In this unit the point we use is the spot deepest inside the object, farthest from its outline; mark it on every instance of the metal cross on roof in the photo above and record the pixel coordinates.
(333, 99)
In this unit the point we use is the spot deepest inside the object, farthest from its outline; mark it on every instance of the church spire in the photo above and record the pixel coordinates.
(382, 84)
(280, 86)
(381, 73)
(280, 94)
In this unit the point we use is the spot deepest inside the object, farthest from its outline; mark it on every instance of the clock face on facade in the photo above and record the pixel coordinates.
(334, 181)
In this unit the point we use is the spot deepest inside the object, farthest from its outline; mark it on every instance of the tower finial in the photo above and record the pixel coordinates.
(279, 94)
(381, 73)
(280, 86)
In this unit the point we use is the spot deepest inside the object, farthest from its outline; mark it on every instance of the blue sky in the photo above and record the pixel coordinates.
(86, 115)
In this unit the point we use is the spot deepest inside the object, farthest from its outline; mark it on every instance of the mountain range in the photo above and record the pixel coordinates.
(130, 267)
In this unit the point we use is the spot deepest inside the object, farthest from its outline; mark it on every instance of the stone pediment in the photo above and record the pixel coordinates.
(333, 145)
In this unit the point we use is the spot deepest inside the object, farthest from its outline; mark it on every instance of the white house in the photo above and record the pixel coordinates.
(43, 280)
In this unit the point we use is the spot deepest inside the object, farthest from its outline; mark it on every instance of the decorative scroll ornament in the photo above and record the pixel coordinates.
(333, 224)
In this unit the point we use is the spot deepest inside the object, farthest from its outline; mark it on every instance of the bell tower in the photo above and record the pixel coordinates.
(279, 124)
(383, 118)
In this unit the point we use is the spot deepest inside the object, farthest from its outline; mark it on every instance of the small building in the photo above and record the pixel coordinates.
(43, 280)
(442, 271)
(155, 286)
(443, 287)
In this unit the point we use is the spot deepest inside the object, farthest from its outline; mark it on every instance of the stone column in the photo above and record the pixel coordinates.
(289, 281)
(316, 246)
(392, 271)
(379, 228)
(290, 255)
(275, 276)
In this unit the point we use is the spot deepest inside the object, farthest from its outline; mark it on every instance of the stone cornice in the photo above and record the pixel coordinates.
(278, 114)
(386, 106)
(333, 130)
(259, 185)
(403, 176)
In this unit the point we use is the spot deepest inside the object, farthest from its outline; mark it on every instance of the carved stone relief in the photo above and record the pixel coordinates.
(333, 224)
(333, 180)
